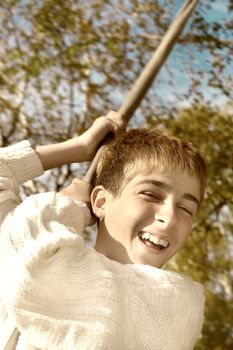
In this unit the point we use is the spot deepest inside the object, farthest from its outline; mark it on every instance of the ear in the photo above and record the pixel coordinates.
(98, 199)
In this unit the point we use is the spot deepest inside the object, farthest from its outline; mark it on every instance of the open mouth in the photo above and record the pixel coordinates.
(152, 241)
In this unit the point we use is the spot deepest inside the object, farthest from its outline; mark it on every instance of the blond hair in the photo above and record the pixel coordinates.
(141, 151)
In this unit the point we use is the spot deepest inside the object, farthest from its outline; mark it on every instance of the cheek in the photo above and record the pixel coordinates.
(185, 231)
(116, 217)
(139, 214)
(127, 215)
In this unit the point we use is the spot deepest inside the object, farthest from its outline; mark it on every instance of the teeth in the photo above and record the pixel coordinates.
(154, 239)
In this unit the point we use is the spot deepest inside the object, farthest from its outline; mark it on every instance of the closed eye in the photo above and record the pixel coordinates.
(186, 210)
(150, 195)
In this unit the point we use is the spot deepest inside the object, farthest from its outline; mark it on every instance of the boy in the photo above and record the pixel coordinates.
(61, 295)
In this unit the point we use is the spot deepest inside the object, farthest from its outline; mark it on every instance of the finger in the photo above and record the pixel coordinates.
(116, 116)
(114, 125)
(117, 120)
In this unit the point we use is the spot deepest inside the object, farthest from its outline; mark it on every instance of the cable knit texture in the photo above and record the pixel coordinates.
(63, 295)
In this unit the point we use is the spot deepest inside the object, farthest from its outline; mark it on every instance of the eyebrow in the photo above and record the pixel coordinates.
(164, 186)
(191, 197)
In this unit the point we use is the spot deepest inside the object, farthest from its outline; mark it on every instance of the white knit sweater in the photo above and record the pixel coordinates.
(63, 295)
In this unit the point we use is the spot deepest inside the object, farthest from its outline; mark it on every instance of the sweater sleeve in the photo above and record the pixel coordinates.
(18, 163)
(42, 222)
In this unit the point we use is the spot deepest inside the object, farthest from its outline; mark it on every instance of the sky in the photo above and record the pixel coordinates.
(218, 12)
(194, 59)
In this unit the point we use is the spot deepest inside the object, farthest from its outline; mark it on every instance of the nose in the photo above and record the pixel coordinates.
(165, 214)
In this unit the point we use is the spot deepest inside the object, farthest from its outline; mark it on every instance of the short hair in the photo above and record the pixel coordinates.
(141, 151)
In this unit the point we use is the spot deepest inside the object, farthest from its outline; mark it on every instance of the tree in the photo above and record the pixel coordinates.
(64, 61)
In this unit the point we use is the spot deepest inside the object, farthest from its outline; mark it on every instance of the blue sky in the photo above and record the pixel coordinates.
(218, 12)
(189, 56)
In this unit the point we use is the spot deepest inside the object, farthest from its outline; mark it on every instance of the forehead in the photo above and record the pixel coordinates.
(174, 181)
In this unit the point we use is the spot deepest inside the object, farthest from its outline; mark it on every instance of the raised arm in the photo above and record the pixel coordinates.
(19, 163)
(81, 148)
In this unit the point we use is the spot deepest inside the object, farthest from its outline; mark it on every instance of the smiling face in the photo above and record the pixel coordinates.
(148, 188)
(150, 220)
